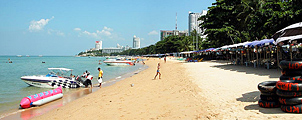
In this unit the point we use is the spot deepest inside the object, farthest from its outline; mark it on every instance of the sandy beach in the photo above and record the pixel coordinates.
(205, 90)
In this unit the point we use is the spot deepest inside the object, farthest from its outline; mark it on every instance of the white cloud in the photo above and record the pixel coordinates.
(57, 32)
(90, 34)
(153, 33)
(99, 34)
(77, 29)
(38, 25)
(108, 29)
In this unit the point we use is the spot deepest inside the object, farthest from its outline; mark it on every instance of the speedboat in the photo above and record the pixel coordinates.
(55, 78)
(118, 62)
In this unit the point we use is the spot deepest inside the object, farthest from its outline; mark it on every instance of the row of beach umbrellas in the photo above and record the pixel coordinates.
(287, 34)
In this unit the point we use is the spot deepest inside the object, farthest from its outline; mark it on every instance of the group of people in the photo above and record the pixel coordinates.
(89, 78)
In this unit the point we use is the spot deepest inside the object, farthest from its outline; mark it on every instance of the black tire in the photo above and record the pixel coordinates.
(283, 77)
(268, 104)
(289, 85)
(268, 93)
(269, 97)
(292, 108)
(292, 65)
(288, 72)
(290, 101)
(267, 86)
(282, 93)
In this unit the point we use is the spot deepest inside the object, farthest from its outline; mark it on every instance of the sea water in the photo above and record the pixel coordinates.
(13, 89)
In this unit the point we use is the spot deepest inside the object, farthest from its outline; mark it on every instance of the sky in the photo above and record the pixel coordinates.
(65, 28)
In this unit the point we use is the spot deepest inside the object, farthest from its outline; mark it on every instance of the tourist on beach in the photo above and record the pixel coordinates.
(165, 59)
(100, 79)
(88, 80)
(157, 72)
(84, 74)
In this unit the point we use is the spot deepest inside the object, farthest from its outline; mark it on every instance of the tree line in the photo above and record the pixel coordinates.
(229, 22)
(235, 21)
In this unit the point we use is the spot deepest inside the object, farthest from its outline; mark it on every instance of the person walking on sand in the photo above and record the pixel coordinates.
(165, 59)
(157, 72)
(100, 79)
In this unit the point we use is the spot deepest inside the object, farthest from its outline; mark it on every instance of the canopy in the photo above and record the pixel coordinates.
(289, 33)
(266, 42)
(187, 52)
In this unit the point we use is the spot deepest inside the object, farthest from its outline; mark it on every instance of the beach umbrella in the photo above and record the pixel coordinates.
(255, 43)
(266, 42)
(292, 32)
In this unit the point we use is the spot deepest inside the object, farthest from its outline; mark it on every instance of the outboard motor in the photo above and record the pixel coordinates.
(79, 79)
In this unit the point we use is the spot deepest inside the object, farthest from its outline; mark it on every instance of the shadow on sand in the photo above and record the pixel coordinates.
(272, 73)
(254, 97)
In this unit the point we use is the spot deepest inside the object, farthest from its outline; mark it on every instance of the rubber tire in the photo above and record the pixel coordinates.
(288, 72)
(292, 108)
(292, 65)
(268, 93)
(283, 77)
(282, 93)
(268, 104)
(269, 97)
(290, 101)
(289, 85)
(267, 86)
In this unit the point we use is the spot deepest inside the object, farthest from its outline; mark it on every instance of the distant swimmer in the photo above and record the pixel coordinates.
(9, 61)
(43, 62)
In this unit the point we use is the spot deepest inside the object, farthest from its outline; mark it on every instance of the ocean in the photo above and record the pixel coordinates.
(13, 89)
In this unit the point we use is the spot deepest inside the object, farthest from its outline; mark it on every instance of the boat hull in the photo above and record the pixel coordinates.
(50, 82)
(118, 63)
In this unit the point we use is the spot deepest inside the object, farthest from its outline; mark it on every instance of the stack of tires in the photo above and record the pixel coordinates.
(289, 88)
(268, 97)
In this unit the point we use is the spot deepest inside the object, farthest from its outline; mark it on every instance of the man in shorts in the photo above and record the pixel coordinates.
(88, 80)
(100, 79)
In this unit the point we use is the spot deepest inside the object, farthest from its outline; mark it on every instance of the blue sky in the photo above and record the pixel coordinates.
(52, 27)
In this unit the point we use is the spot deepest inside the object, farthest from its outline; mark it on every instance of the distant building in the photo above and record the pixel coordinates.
(98, 45)
(194, 23)
(117, 49)
(112, 50)
(136, 42)
(166, 33)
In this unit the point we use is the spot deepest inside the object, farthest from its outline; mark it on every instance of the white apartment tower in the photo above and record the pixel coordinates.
(193, 21)
(136, 42)
(98, 45)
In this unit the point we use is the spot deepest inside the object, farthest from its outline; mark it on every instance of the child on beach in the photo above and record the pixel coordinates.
(157, 71)
(100, 79)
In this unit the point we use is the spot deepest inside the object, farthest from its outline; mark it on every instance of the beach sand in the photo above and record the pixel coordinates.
(205, 90)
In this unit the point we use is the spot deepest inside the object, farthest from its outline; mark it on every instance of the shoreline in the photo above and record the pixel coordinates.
(140, 97)
(32, 112)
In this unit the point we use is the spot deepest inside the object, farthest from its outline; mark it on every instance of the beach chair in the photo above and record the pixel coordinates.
(200, 60)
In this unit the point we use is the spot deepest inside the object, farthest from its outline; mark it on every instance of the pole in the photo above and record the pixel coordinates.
(196, 40)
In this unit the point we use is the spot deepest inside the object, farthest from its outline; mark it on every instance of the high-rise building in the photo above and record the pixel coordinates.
(166, 33)
(194, 23)
(136, 42)
(98, 45)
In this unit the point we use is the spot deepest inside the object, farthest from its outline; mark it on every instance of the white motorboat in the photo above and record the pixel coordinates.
(118, 62)
(55, 78)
